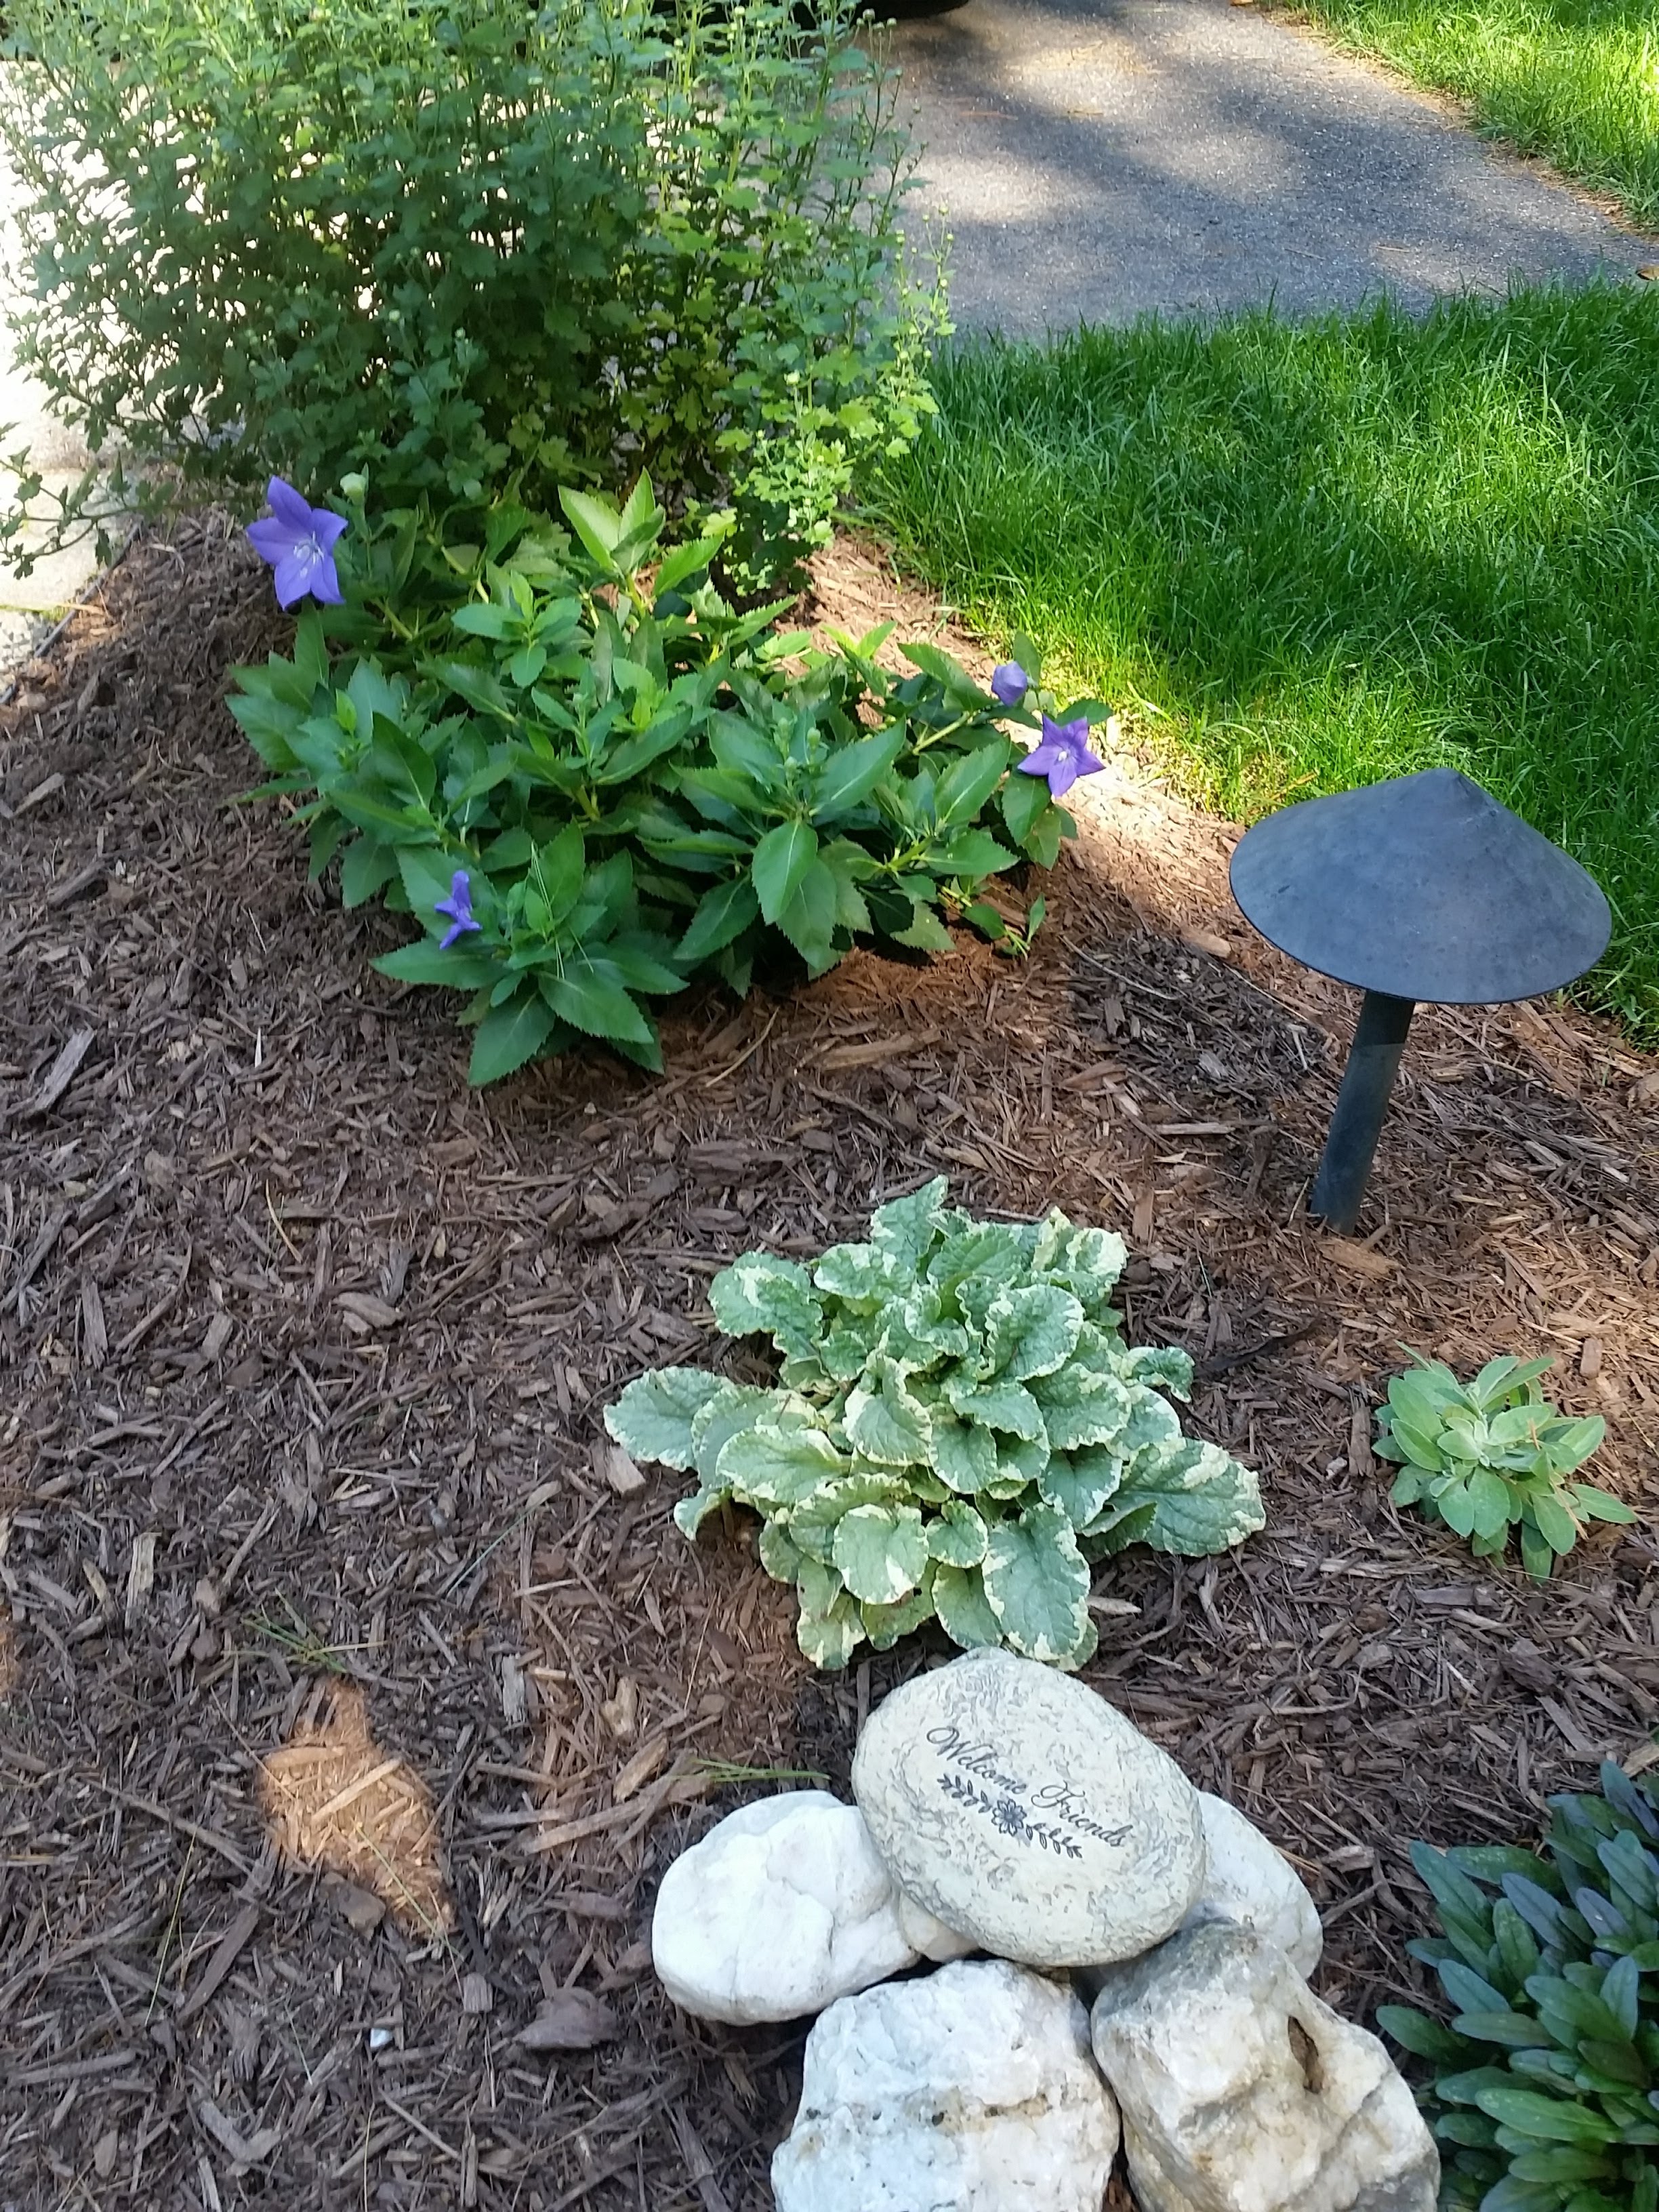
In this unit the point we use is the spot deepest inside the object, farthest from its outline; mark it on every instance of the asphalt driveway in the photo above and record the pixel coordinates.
(1096, 158)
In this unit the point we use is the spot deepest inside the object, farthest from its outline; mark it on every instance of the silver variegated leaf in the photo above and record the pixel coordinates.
(965, 1454)
(964, 1614)
(1080, 1484)
(904, 1228)
(880, 1551)
(768, 1465)
(957, 1537)
(1037, 1582)
(759, 1295)
(885, 1623)
(735, 1406)
(999, 1405)
(655, 1416)
(1030, 1329)
(1202, 1501)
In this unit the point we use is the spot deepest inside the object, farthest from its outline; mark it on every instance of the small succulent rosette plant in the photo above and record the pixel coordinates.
(957, 1430)
(1493, 1454)
(1543, 2088)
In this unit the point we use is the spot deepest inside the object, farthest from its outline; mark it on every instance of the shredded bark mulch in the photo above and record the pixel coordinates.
(353, 1697)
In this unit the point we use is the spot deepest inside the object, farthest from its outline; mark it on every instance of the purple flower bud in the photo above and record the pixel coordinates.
(457, 910)
(1009, 683)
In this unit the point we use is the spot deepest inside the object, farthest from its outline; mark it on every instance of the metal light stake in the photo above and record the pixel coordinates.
(1421, 890)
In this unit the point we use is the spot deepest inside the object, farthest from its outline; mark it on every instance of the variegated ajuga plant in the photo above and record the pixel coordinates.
(958, 1429)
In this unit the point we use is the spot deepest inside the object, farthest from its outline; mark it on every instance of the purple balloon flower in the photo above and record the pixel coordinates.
(298, 540)
(1009, 683)
(1063, 756)
(457, 910)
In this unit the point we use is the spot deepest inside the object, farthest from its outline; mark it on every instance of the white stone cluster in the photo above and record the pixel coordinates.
(1005, 1808)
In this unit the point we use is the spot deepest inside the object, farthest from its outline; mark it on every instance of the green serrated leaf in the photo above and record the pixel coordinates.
(509, 1036)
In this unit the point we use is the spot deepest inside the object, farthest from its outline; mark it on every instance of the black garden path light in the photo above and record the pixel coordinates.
(1422, 888)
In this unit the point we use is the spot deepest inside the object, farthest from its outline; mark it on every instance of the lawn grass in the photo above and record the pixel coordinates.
(1575, 80)
(1306, 556)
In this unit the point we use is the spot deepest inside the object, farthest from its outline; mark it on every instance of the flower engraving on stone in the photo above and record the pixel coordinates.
(1008, 1818)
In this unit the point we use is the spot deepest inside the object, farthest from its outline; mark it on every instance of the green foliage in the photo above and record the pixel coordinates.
(958, 1429)
(1493, 1454)
(1544, 2091)
(1313, 554)
(640, 786)
(452, 238)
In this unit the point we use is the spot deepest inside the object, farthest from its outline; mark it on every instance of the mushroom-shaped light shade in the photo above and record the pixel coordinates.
(1424, 888)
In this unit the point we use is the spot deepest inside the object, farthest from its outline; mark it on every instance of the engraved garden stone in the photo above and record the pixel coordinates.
(782, 1907)
(971, 2090)
(1240, 2092)
(1024, 1809)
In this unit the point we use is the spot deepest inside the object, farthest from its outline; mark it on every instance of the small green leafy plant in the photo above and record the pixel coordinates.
(1492, 1454)
(958, 1429)
(1545, 2088)
(592, 781)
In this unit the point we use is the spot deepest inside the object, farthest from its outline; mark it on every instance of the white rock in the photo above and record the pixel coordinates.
(782, 1907)
(1255, 1885)
(1018, 1806)
(1240, 2092)
(971, 2091)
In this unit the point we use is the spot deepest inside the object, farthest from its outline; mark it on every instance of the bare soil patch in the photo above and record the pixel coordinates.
(349, 1710)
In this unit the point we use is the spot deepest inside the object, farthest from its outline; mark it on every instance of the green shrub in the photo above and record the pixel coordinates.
(591, 791)
(1544, 2089)
(1493, 1454)
(445, 239)
(958, 1429)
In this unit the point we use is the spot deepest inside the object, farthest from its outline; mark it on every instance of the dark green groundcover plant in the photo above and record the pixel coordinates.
(592, 781)
(1544, 2092)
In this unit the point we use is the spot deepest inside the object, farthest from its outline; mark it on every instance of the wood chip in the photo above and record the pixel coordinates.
(1358, 1259)
(878, 1051)
(226, 1953)
(1206, 940)
(619, 1470)
(364, 1311)
(575, 2019)
(141, 1578)
(639, 1769)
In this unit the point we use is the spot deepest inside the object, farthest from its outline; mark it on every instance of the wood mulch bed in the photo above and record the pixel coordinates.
(348, 1713)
